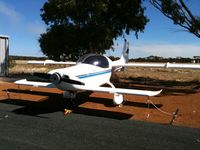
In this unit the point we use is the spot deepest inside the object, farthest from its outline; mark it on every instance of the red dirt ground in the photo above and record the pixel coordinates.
(135, 107)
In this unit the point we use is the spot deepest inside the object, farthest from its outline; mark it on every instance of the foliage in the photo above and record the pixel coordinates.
(77, 27)
(177, 11)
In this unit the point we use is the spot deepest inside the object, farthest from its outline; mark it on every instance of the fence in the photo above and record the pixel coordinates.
(4, 51)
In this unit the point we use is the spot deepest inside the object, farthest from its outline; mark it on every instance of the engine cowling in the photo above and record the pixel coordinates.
(55, 78)
(118, 99)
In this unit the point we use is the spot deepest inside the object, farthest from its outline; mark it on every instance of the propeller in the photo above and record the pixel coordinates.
(42, 75)
(68, 80)
(56, 78)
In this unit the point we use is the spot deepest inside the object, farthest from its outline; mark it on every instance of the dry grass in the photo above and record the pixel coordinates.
(21, 67)
(182, 75)
(154, 78)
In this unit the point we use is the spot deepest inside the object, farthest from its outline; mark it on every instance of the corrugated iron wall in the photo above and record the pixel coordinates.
(4, 51)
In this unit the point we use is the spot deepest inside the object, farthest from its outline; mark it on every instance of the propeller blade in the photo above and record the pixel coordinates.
(68, 80)
(55, 78)
(42, 75)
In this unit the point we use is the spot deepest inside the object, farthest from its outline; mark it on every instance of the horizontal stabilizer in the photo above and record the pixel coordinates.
(33, 83)
(51, 62)
(159, 65)
(183, 66)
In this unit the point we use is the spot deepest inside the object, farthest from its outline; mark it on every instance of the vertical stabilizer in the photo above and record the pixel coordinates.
(125, 52)
(125, 55)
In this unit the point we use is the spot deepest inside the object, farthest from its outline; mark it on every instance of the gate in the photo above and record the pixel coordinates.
(4, 51)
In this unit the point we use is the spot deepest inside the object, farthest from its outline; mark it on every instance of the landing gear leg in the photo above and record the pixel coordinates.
(70, 95)
(109, 83)
(118, 98)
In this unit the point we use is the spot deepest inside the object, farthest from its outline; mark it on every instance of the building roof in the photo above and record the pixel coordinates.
(196, 57)
(4, 36)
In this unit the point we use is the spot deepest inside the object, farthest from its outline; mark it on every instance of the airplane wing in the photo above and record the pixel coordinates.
(33, 83)
(121, 91)
(96, 89)
(51, 62)
(160, 65)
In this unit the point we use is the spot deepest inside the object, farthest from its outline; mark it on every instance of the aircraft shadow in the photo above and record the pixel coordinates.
(85, 97)
(55, 103)
(109, 103)
(22, 91)
(102, 113)
(32, 108)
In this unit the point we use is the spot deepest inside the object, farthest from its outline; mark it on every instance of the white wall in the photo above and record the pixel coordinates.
(4, 50)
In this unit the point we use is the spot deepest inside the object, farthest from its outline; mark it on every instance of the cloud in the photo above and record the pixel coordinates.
(162, 49)
(10, 12)
(36, 28)
(167, 50)
(20, 22)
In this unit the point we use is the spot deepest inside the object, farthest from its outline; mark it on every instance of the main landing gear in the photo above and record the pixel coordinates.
(117, 98)
(70, 96)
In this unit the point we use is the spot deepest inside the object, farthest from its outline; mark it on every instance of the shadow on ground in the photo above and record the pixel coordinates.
(56, 103)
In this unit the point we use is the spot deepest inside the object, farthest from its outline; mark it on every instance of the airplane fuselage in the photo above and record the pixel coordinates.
(87, 74)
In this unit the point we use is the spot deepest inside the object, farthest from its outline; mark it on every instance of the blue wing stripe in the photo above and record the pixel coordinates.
(93, 74)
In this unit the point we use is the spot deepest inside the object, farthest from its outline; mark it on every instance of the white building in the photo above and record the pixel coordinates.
(4, 52)
(196, 59)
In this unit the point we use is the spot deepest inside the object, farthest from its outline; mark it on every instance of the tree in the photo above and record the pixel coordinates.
(178, 11)
(76, 27)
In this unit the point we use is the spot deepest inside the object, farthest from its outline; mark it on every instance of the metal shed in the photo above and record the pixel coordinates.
(4, 51)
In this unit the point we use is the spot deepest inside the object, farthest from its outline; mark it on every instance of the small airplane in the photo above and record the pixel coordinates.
(92, 72)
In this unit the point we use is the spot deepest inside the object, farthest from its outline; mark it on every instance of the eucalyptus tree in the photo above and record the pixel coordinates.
(76, 27)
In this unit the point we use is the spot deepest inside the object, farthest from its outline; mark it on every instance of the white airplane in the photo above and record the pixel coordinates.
(91, 72)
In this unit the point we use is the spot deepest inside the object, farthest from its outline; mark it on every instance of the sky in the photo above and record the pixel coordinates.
(21, 21)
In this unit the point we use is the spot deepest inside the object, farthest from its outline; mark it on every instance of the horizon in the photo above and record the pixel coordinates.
(118, 57)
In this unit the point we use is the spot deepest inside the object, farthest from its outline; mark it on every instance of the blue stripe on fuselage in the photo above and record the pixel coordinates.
(93, 74)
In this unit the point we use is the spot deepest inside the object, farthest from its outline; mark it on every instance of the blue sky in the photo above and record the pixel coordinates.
(21, 21)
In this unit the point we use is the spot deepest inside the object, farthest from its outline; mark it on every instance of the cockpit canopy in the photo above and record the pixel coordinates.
(94, 59)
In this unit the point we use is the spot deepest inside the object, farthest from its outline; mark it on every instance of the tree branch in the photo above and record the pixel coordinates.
(186, 20)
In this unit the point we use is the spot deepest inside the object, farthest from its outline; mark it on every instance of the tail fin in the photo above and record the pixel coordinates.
(125, 53)
(124, 57)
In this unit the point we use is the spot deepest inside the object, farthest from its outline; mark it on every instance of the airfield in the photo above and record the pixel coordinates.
(44, 100)
(34, 118)
(181, 95)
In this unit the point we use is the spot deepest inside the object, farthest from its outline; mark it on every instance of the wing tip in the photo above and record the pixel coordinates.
(20, 81)
(154, 93)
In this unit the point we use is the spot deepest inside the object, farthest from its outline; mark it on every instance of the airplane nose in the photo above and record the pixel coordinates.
(55, 78)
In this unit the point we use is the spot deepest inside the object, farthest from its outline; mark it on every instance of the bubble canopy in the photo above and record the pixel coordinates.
(94, 59)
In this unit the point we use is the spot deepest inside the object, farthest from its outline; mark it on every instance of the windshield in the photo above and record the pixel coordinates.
(94, 59)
